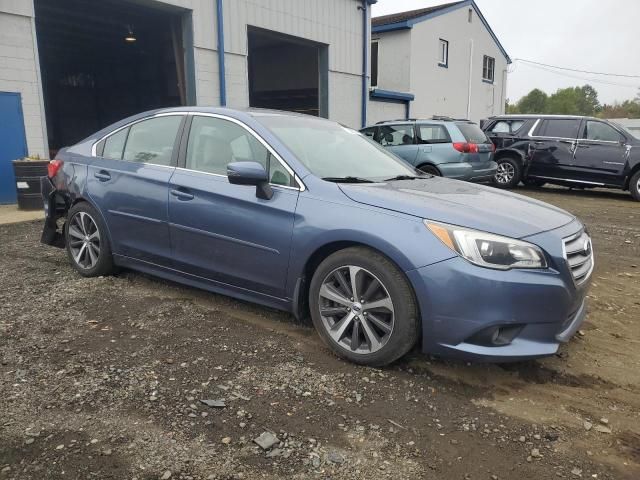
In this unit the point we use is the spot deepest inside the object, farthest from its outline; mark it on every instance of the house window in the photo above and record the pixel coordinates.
(374, 63)
(470, 15)
(488, 68)
(443, 54)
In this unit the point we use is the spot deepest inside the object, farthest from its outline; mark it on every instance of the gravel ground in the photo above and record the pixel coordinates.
(106, 378)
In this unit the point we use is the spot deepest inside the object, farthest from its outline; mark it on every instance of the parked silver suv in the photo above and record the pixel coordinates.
(439, 146)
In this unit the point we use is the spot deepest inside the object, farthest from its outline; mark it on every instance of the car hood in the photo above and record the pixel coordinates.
(463, 204)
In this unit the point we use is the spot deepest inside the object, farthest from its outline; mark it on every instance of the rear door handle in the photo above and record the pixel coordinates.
(102, 175)
(181, 194)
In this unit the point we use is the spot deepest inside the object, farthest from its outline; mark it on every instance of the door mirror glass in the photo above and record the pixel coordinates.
(250, 173)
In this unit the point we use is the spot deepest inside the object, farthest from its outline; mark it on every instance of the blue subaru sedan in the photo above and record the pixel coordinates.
(305, 215)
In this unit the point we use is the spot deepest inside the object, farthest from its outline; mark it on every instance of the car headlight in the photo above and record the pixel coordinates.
(488, 250)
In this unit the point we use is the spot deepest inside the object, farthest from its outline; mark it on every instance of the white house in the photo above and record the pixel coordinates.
(71, 67)
(442, 60)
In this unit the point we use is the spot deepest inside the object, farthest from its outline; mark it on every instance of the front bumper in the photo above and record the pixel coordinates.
(459, 300)
(469, 171)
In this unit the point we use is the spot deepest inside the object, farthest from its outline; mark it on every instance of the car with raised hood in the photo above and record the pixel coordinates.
(567, 150)
(305, 215)
(440, 146)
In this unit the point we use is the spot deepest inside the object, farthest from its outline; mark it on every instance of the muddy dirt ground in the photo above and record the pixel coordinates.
(103, 378)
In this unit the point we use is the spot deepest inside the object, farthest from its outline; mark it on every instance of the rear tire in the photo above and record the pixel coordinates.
(634, 186)
(430, 170)
(376, 326)
(86, 240)
(508, 174)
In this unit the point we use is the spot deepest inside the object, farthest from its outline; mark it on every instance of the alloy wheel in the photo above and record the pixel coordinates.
(356, 309)
(84, 240)
(505, 173)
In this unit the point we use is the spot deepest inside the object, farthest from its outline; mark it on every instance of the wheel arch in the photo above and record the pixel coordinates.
(510, 153)
(301, 292)
(627, 181)
(429, 164)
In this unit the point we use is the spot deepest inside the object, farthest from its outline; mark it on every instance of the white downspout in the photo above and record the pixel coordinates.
(470, 77)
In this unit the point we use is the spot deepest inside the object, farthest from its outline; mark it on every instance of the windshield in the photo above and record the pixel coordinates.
(330, 150)
(633, 133)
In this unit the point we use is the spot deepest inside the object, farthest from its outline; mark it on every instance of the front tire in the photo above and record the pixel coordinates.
(363, 307)
(508, 174)
(86, 241)
(634, 186)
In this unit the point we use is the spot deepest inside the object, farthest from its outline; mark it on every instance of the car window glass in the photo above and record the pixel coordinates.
(114, 145)
(560, 128)
(152, 141)
(394, 135)
(369, 132)
(214, 143)
(501, 127)
(516, 125)
(601, 131)
(434, 134)
(472, 132)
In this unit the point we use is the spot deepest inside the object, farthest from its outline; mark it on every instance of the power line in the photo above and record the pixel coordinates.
(575, 69)
(590, 80)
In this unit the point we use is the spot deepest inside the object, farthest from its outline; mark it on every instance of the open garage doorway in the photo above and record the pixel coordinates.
(287, 73)
(102, 61)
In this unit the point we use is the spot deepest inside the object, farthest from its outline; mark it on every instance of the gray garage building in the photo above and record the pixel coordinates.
(70, 67)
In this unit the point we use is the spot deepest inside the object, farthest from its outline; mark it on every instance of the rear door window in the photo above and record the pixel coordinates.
(501, 127)
(433, 134)
(153, 140)
(395, 135)
(559, 128)
(472, 132)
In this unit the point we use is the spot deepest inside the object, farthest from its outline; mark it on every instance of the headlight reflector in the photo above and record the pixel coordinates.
(488, 250)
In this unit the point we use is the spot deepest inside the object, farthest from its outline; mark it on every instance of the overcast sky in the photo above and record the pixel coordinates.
(593, 35)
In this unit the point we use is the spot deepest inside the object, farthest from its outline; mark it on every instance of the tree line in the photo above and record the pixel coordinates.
(574, 101)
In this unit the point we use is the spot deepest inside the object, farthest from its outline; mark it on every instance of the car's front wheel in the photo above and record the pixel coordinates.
(634, 186)
(363, 307)
(86, 240)
(508, 173)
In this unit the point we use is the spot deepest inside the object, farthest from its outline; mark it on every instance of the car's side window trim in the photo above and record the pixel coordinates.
(174, 154)
(301, 186)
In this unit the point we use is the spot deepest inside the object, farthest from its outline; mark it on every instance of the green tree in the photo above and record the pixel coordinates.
(533, 102)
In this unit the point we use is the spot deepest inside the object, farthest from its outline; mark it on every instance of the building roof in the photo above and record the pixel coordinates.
(411, 14)
(406, 20)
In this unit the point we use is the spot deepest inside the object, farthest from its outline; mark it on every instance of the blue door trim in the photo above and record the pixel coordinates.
(13, 143)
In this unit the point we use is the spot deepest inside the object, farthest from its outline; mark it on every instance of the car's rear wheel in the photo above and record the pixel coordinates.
(87, 244)
(508, 173)
(634, 186)
(430, 169)
(363, 307)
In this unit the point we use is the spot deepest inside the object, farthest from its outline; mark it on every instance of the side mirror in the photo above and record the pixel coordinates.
(250, 173)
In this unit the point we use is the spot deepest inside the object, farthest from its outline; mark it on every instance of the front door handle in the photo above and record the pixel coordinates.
(181, 194)
(102, 175)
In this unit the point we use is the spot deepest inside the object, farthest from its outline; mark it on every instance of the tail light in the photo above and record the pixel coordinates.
(493, 147)
(54, 167)
(464, 147)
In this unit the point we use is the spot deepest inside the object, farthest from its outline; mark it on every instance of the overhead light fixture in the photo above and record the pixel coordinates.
(130, 38)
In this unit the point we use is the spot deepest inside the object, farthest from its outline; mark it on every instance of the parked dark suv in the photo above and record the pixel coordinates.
(573, 151)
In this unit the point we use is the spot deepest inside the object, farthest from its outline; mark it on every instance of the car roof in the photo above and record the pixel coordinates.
(435, 119)
(515, 116)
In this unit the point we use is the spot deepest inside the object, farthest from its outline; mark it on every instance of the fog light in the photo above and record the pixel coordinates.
(496, 336)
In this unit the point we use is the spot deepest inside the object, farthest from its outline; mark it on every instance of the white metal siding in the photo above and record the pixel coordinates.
(379, 111)
(19, 69)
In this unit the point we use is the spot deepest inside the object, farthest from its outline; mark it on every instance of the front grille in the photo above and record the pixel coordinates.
(579, 254)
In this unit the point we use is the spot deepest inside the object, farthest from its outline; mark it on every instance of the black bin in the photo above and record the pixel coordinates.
(28, 174)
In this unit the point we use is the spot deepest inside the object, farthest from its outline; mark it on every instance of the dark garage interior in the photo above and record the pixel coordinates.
(102, 61)
(287, 73)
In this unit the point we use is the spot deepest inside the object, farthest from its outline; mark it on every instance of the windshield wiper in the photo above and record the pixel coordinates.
(348, 180)
(403, 177)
